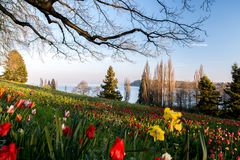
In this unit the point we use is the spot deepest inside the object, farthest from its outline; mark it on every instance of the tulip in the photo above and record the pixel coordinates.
(2, 90)
(66, 130)
(117, 150)
(31, 105)
(11, 109)
(166, 156)
(18, 118)
(19, 103)
(8, 98)
(4, 129)
(34, 111)
(90, 131)
(27, 103)
(66, 114)
(8, 152)
(220, 156)
(29, 118)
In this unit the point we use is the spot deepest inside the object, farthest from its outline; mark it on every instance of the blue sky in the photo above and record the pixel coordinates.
(217, 54)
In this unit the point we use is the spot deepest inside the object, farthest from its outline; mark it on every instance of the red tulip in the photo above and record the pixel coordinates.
(66, 130)
(220, 156)
(90, 131)
(117, 150)
(19, 103)
(4, 129)
(157, 158)
(8, 152)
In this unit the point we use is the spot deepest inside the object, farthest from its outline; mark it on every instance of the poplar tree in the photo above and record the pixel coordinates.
(110, 86)
(195, 85)
(144, 90)
(170, 83)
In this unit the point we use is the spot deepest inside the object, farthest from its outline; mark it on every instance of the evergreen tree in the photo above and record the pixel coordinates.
(110, 86)
(15, 68)
(233, 91)
(209, 96)
(53, 84)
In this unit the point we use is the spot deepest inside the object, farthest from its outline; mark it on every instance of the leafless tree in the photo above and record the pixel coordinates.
(197, 76)
(165, 93)
(127, 89)
(170, 83)
(88, 27)
(160, 83)
(201, 72)
(144, 95)
(196, 81)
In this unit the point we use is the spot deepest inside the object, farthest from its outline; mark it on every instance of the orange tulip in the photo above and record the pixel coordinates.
(18, 118)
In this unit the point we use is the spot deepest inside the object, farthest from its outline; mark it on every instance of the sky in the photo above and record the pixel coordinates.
(217, 53)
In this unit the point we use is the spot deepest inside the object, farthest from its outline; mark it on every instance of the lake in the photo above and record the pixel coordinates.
(133, 94)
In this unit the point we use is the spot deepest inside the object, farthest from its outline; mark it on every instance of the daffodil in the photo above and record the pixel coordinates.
(167, 113)
(173, 118)
(157, 133)
(170, 114)
(178, 126)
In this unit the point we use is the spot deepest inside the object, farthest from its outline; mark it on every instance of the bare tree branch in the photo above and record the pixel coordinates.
(87, 27)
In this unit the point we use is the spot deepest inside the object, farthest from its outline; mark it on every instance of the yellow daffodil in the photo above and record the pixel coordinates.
(170, 114)
(167, 113)
(178, 126)
(176, 115)
(157, 133)
(173, 118)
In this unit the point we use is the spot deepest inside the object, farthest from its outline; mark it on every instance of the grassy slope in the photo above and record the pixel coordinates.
(52, 100)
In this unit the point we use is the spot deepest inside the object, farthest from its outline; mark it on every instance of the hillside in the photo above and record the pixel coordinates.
(70, 126)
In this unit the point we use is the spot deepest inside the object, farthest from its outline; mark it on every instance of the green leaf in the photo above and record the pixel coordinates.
(203, 144)
(50, 147)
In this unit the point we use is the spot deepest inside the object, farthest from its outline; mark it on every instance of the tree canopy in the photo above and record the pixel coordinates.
(233, 91)
(209, 96)
(84, 27)
(15, 68)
